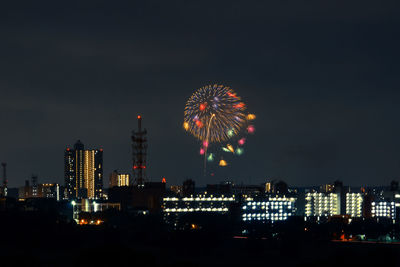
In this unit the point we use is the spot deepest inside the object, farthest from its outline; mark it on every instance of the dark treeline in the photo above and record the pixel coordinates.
(47, 238)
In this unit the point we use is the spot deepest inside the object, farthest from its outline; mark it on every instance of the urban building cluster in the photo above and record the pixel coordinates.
(278, 202)
(85, 193)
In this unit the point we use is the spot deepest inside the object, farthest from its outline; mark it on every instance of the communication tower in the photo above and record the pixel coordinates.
(139, 149)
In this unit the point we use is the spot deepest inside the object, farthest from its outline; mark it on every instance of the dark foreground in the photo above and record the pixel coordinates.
(30, 241)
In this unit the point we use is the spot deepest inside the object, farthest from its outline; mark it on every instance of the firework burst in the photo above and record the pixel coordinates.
(214, 114)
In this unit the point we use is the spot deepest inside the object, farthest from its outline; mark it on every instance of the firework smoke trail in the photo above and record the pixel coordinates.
(206, 144)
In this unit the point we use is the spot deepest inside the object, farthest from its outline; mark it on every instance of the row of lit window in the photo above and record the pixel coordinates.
(271, 202)
(196, 209)
(200, 199)
(266, 214)
(282, 218)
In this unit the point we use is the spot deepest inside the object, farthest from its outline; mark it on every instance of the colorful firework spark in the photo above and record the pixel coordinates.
(239, 151)
(251, 117)
(223, 163)
(251, 129)
(242, 141)
(230, 148)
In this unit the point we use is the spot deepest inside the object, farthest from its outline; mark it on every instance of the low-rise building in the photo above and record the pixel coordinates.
(268, 208)
(383, 209)
(354, 204)
(322, 204)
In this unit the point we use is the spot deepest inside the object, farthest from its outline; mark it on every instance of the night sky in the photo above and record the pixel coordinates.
(322, 78)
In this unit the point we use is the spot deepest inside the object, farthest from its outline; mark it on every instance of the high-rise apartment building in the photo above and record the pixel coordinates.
(83, 172)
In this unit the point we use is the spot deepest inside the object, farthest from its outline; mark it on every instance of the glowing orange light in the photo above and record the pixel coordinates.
(139, 117)
(203, 106)
(186, 125)
(164, 180)
(68, 149)
(199, 124)
(231, 95)
(230, 148)
(194, 226)
(251, 117)
(240, 105)
(223, 163)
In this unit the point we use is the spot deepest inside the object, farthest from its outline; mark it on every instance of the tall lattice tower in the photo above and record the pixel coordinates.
(139, 149)
(4, 189)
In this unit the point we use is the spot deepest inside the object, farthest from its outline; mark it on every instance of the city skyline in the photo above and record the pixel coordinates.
(200, 133)
(321, 80)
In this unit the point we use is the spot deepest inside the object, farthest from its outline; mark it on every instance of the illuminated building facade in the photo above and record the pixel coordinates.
(34, 180)
(119, 179)
(327, 188)
(322, 204)
(90, 206)
(397, 205)
(39, 191)
(354, 204)
(268, 187)
(174, 207)
(83, 172)
(383, 209)
(49, 191)
(198, 203)
(271, 208)
(123, 179)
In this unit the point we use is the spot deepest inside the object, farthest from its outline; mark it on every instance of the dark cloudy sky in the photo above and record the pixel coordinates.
(322, 77)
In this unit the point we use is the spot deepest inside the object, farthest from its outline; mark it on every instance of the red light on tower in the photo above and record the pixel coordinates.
(139, 117)
(164, 180)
